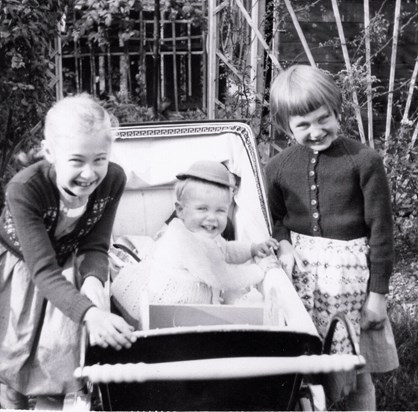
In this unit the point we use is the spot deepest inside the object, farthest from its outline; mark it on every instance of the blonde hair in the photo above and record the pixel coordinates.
(299, 90)
(77, 114)
(190, 185)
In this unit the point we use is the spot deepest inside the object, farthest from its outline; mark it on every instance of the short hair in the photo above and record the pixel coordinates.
(78, 114)
(185, 186)
(299, 90)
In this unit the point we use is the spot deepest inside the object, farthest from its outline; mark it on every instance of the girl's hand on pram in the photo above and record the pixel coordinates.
(107, 329)
(265, 248)
(94, 290)
(373, 314)
(288, 256)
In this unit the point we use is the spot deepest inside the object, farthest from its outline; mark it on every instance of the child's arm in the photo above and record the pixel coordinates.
(378, 218)
(241, 252)
(276, 200)
(92, 253)
(264, 249)
(24, 200)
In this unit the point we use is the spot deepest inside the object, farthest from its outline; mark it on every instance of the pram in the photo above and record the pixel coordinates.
(207, 357)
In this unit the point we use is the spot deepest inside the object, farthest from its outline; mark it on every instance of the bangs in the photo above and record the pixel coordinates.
(300, 90)
(309, 90)
(304, 101)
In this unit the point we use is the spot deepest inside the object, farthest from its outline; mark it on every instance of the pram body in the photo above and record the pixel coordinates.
(207, 357)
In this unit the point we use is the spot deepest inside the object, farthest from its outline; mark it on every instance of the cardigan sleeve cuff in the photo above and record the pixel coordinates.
(379, 282)
(94, 264)
(79, 309)
(281, 233)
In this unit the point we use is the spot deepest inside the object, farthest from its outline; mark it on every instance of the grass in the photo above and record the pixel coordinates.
(397, 390)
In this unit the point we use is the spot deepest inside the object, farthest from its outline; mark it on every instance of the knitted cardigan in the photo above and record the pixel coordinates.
(339, 193)
(28, 223)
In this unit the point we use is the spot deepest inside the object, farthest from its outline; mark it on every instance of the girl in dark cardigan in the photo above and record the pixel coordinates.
(330, 204)
(54, 236)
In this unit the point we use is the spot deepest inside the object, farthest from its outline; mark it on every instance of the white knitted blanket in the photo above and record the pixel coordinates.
(185, 267)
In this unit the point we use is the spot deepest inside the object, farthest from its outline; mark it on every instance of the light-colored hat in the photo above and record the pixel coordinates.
(209, 171)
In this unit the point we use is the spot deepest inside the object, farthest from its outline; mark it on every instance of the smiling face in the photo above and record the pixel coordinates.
(316, 130)
(78, 138)
(204, 207)
(80, 161)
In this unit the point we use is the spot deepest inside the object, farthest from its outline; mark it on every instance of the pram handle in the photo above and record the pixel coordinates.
(220, 368)
(340, 317)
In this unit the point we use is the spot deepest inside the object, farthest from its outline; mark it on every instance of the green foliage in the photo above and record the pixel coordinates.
(184, 10)
(132, 113)
(356, 81)
(99, 19)
(26, 29)
(403, 178)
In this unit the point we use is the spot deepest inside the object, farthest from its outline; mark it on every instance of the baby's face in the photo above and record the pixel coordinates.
(81, 161)
(204, 209)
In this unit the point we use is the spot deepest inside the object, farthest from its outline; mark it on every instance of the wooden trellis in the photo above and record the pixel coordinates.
(251, 13)
(126, 67)
(215, 55)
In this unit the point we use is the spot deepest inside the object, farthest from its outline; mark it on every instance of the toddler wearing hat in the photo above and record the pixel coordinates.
(191, 261)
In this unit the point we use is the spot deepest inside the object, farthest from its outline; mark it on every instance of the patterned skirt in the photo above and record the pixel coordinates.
(332, 277)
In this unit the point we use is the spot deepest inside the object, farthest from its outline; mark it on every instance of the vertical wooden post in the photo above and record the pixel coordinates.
(92, 69)
(254, 47)
(109, 70)
(142, 81)
(59, 92)
(123, 78)
(349, 68)
(369, 74)
(77, 66)
(162, 64)
(414, 136)
(204, 66)
(276, 39)
(156, 58)
(80, 74)
(392, 71)
(175, 77)
(212, 83)
(59, 87)
(189, 59)
(102, 75)
(410, 92)
(123, 71)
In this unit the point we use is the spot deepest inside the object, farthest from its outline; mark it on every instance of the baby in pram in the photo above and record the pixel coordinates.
(191, 262)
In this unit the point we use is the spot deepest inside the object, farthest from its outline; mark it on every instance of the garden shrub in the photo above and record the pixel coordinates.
(26, 30)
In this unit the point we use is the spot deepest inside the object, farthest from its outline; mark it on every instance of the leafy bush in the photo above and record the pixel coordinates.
(26, 29)
(403, 177)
